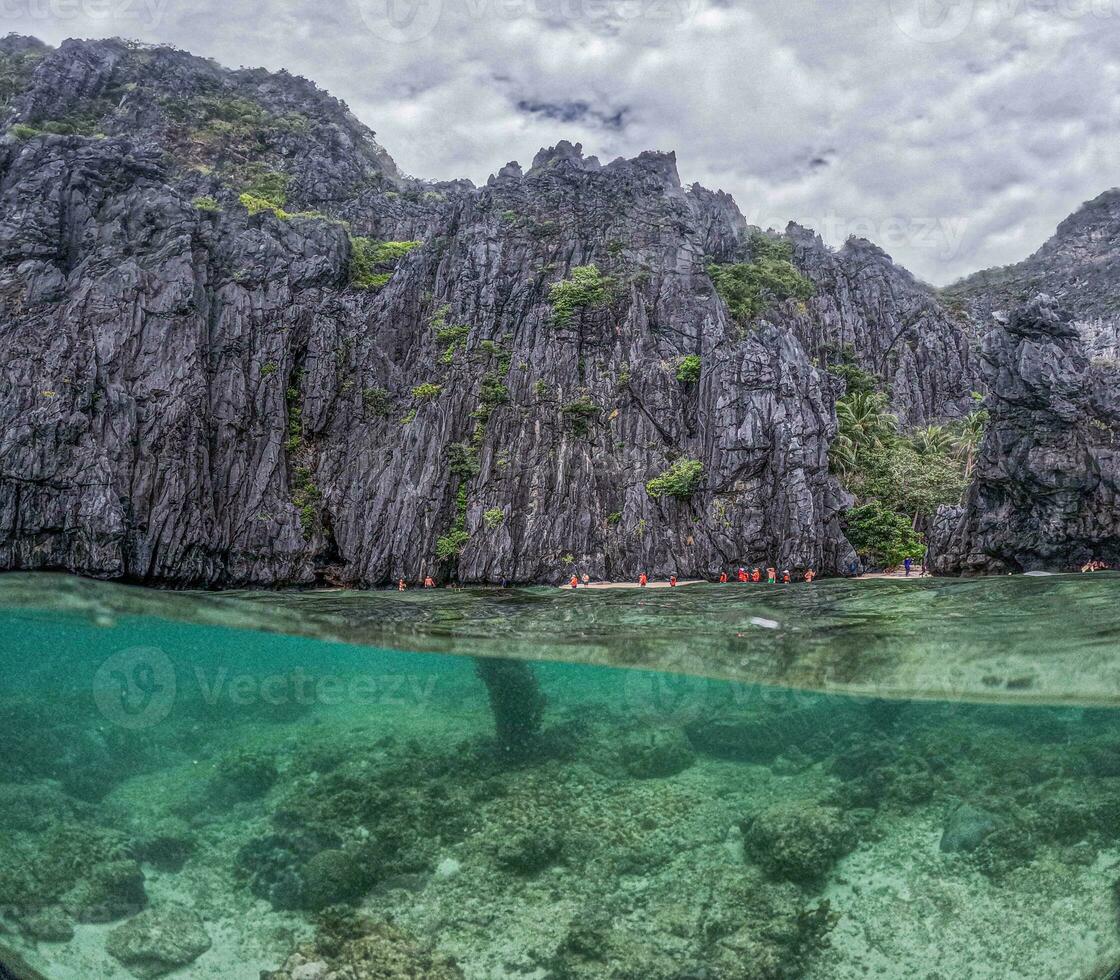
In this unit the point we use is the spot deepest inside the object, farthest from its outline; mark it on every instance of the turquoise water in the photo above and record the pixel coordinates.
(855, 779)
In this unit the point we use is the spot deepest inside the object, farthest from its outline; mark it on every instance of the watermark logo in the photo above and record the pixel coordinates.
(400, 21)
(933, 21)
(135, 688)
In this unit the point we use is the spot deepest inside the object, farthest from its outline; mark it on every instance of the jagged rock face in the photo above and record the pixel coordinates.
(892, 323)
(1079, 266)
(1045, 490)
(199, 396)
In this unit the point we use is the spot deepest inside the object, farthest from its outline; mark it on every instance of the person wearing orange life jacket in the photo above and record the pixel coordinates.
(574, 582)
(785, 577)
(723, 578)
(743, 577)
(756, 576)
(642, 580)
(672, 580)
(400, 585)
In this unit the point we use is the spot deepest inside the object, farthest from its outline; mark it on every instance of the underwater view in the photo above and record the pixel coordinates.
(845, 780)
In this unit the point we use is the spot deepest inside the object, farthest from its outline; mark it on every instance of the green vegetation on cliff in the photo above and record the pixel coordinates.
(748, 288)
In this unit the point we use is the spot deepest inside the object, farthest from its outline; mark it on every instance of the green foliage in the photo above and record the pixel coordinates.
(270, 367)
(587, 289)
(748, 288)
(206, 203)
(541, 388)
(21, 131)
(372, 263)
(933, 440)
(614, 518)
(494, 517)
(409, 417)
(907, 482)
(295, 420)
(492, 393)
(688, 371)
(462, 460)
(306, 497)
(452, 339)
(451, 545)
(581, 414)
(881, 536)
(426, 391)
(679, 480)
(376, 401)
(268, 185)
(15, 72)
(858, 381)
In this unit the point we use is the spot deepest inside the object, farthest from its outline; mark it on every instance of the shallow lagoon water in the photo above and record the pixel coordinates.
(760, 783)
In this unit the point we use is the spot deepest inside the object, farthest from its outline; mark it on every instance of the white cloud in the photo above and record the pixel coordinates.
(989, 136)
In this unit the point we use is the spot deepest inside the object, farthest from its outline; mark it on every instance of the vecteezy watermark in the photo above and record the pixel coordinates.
(938, 21)
(138, 11)
(138, 687)
(942, 236)
(409, 21)
(135, 688)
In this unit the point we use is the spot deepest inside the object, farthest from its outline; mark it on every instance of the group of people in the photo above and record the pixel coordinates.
(743, 576)
(1096, 565)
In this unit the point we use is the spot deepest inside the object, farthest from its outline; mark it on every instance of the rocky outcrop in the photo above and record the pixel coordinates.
(1044, 495)
(1079, 266)
(195, 388)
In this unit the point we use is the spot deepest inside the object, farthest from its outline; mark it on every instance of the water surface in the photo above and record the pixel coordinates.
(844, 780)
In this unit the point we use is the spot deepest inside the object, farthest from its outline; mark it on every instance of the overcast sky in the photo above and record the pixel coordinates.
(955, 133)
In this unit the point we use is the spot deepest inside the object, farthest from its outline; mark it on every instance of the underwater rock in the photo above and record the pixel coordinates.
(797, 841)
(335, 876)
(32, 806)
(274, 865)
(965, 828)
(158, 940)
(381, 952)
(242, 776)
(764, 735)
(167, 845)
(113, 890)
(47, 926)
(516, 701)
(654, 753)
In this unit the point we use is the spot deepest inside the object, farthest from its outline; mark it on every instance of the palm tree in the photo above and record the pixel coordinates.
(933, 440)
(864, 420)
(970, 434)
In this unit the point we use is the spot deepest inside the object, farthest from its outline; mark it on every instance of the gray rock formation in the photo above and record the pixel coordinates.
(194, 390)
(1044, 495)
(159, 941)
(1079, 266)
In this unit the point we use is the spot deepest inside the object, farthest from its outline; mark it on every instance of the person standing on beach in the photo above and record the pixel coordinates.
(756, 576)
(429, 582)
(672, 581)
(723, 578)
(574, 583)
(771, 575)
(785, 577)
(642, 580)
(586, 579)
(810, 575)
(906, 564)
(400, 585)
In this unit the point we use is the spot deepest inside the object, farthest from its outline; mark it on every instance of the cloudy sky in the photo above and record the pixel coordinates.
(955, 133)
